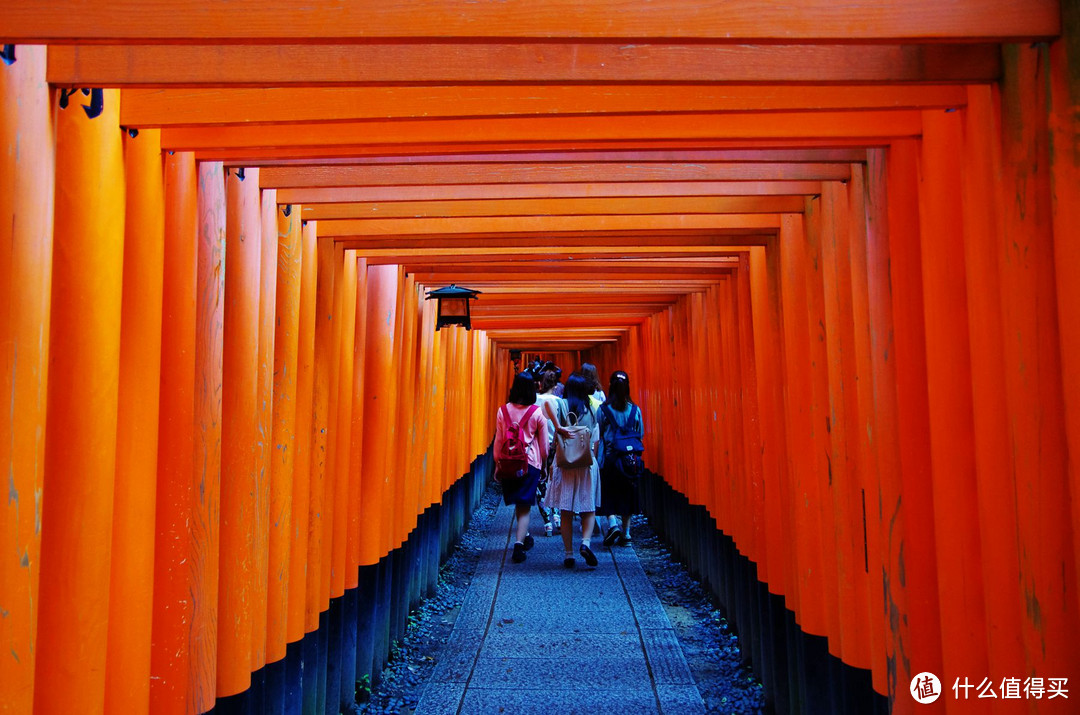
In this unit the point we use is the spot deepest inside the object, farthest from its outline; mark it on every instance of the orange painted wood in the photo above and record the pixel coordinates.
(406, 417)
(737, 22)
(170, 655)
(916, 567)
(807, 588)
(301, 620)
(27, 171)
(996, 487)
(344, 508)
(81, 426)
(268, 254)
(554, 207)
(332, 480)
(541, 224)
(239, 435)
(205, 558)
(568, 172)
(283, 436)
(356, 494)
(764, 284)
(462, 192)
(864, 125)
(320, 531)
(1065, 180)
(283, 64)
(863, 430)
(127, 669)
(852, 567)
(381, 307)
(193, 107)
(1033, 375)
(948, 362)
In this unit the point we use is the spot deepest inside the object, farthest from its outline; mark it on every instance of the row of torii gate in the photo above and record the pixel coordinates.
(835, 246)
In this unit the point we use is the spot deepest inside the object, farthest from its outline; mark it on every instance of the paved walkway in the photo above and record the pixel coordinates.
(537, 638)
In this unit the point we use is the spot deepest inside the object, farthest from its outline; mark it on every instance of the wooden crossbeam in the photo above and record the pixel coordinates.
(309, 155)
(400, 247)
(310, 198)
(548, 173)
(547, 225)
(561, 206)
(281, 65)
(850, 125)
(735, 21)
(218, 106)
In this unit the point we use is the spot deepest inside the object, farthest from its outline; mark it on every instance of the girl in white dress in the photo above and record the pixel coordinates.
(575, 490)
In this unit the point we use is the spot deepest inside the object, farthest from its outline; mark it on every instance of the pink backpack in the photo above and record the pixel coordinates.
(511, 462)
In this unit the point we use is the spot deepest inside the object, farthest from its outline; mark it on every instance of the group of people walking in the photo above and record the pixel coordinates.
(573, 449)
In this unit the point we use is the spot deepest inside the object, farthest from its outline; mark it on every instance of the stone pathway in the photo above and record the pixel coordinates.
(537, 638)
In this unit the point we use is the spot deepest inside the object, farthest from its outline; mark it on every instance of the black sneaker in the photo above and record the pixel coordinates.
(588, 555)
(528, 542)
(612, 536)
(519, 553)
(625, 540)
(569, 562)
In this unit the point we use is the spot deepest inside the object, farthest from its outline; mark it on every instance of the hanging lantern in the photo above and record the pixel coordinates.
(453, 305)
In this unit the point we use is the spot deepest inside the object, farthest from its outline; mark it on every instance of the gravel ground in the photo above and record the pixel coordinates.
(711, 649)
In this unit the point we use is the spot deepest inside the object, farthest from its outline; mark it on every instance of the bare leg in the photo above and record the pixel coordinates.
(567, 536)
(588, 521)
(523, 511)
(626, 528)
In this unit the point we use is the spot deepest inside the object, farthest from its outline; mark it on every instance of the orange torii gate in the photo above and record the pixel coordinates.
(834, 246)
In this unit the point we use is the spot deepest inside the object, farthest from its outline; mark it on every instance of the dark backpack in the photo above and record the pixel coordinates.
(626, 446)
(511, 462)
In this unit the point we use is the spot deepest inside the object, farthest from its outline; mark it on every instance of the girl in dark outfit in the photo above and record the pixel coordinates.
(620, 497)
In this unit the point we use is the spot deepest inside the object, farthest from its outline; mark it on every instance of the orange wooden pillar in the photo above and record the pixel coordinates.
(127, 671)
(1065, 207)
(331, 507)
(1033, 369)
(379, 356)
(300, 620)
(948, 363)
(80, 441)
(268, 253)
(916, 570)
(864, 431)
(205, 556)
(356, 427)
(169, 657)
(344, 508)
(283, 437)
(238, 429)
(27, 173)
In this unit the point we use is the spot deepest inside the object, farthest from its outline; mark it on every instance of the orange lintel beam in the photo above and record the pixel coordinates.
(263, 155)
(426, 174)
(543, 254)
(737, 21)
(548, 224)
(856, 124)
(461, 192)
(399, 246)
(845, 154)
(242, 106)
(216, 65)
(583, 299)
(471, 277)
(566, 207)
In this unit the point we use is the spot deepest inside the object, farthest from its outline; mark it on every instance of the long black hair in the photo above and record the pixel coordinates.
(576, 393)
(619, 390)
(523, 391)
(591, 378)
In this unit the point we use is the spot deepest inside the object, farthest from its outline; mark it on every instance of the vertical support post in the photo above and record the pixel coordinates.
(127, 670)
(170, 654)
(80, 442)
(205, 557)
(27, 173)
(283, 430)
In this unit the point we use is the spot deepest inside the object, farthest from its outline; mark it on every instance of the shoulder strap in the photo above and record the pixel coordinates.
(506, 417)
